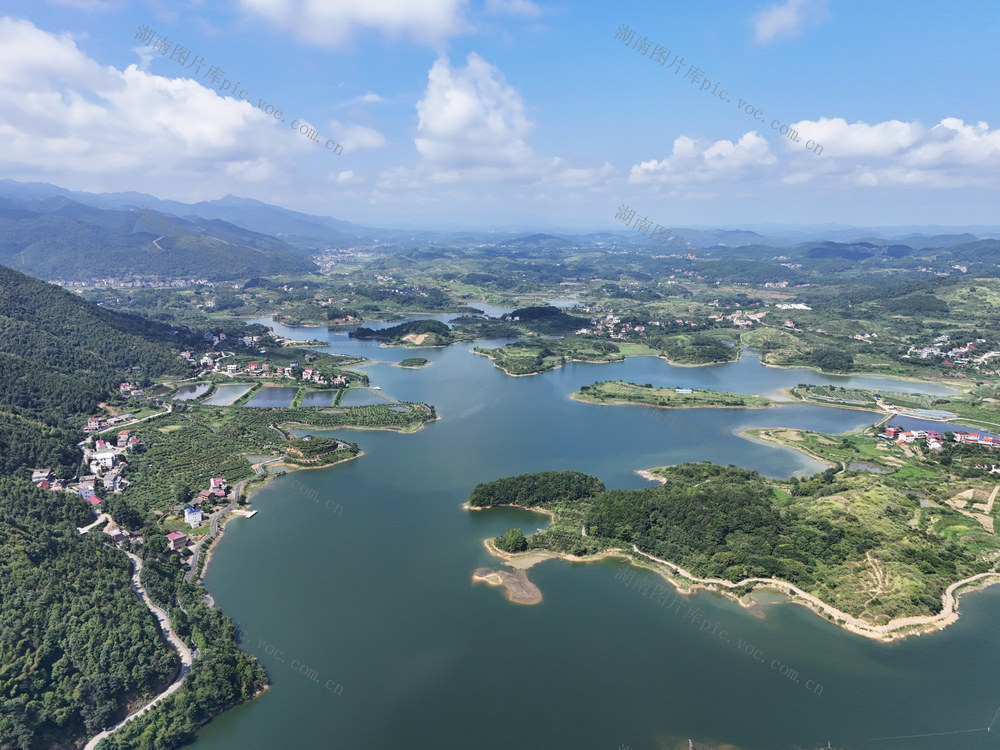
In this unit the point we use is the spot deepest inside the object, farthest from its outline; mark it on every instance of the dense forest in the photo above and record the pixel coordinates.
(398, 332)
(59, 355)
(535, 489)
(76, 645)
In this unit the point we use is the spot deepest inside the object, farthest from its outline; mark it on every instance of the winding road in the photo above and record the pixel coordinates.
(187, 658)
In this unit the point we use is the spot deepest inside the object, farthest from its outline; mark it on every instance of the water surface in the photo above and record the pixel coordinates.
(353, 585)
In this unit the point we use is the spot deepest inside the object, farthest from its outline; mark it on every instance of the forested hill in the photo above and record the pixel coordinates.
(60, 239)
(59, 355)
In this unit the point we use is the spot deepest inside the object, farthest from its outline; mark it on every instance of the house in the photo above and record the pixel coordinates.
(232, 369)
(177, 540)
(122, 438)
(94, 500)
(192, 517)
(961, 436)
(683, 390)
(85, 492)
(307, 373)
(106, 458)
(41, 475)
(93, 423)
(100, 445)
(253, 367)
(117, 535)
(217, 483)
(125, 388)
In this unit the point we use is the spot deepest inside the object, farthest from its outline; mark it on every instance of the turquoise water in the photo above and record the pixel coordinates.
(353, 587)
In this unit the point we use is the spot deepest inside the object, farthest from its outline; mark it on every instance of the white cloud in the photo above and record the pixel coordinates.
(369, 98)
(471, 118)
(66, 119)
(332, 22)
(524, 8)
(950, 155)
(788, 19)
(357, 137)
(347, 177)
(698, 160)
(472, 137)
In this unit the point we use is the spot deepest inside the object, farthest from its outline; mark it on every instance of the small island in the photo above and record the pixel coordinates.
(414, 363)
(620, 392)
(413, 333)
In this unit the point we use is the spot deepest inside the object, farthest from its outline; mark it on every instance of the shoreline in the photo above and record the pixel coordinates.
(950, 383)
(685, 583)
(229, 516)
(617, 402)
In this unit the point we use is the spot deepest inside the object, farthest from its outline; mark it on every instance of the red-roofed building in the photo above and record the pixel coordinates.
(94, 500)
(177, 540)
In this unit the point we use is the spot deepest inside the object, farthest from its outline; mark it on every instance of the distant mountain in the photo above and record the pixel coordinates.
(293, 227)
(539, 241)
(61, 239)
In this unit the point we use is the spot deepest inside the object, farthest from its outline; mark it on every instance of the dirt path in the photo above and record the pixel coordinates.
(187, 658)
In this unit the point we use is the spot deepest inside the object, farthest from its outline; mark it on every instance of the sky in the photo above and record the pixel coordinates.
(489, 114)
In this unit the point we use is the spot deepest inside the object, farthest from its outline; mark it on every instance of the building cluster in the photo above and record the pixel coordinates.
(963, 354)
(614, 327)
(264, 369)
(130, 391)
(934, 440)
(745, 318)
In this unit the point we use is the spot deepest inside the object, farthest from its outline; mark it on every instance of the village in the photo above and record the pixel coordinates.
(107, 461)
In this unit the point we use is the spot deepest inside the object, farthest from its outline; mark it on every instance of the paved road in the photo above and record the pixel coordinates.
(196, 549)
(103, 518)
(187, 658)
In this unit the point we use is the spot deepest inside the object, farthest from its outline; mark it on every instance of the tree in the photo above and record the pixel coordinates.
(181, 492)
(512, 541)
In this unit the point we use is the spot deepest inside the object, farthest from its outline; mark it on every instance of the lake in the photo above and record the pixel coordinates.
(375, 636)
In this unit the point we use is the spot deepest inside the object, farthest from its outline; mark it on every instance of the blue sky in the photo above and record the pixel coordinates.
(495, 113)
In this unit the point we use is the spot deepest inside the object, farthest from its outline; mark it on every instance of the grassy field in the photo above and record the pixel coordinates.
(619, 392)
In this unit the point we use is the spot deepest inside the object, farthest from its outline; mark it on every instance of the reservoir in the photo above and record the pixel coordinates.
(374, 635)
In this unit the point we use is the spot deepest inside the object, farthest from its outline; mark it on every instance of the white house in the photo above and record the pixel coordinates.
(192, 517)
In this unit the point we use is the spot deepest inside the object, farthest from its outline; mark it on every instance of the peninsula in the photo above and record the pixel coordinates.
(620, 392)
(881, 543)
